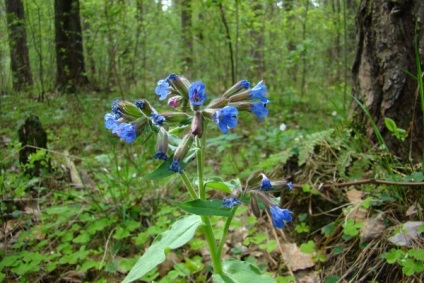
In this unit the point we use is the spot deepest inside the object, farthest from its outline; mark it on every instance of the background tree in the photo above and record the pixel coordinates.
(69, 46)
(19, 59)
(388, 35)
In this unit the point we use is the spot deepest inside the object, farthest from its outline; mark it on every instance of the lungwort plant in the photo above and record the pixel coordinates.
(181, 138)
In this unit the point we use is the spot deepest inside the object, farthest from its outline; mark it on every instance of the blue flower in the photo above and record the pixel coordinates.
(115, 108)
(265, 184)
(127, 132)
(160, 155)
(176, 167)
(290, 185)
(260, 109)
(197, 93)
(230, 202)
(226, 118)
(258, 92)
(162, 89)
(279, 216)
(158, 119)
(244, 84)
(140, 104)
(110, 121)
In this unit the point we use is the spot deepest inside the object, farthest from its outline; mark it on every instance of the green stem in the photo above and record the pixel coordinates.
(225, 232)
(188, 185)
(200, 166)
(210, 239)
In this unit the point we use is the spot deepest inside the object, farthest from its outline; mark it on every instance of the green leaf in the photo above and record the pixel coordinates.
(217, 183)
(390, 124)
(235, 271)
(418, 254)
(205, 207)
(308, 248)
(332, 279)
(179, 234)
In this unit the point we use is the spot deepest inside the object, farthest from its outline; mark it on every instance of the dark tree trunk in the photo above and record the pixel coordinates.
(187, 36)
(385, 54)
(19, 58)
(69, 47)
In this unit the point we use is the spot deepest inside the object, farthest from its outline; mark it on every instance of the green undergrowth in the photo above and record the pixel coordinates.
(55, 231)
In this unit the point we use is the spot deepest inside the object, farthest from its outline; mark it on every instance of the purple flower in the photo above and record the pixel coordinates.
(162, 89)
(126, 132)
(230, 202)
(158, 119)
(258, 92)
(115, 109)
(226, 118)
(279, 216)
(174, 101)
(176, 167)
(197, 93)
(260, 109)
(265, 184)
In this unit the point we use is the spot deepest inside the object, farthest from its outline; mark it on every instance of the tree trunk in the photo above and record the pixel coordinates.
(384, 61)
(19, 58)
(69, 47)
(187, 36)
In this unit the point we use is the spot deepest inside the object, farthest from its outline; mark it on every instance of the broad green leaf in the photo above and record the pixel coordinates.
(205, 207)
(418, 254)
(179, 234)
(236, 271)
(390, 124)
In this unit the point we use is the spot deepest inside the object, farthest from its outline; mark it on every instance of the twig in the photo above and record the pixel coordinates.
(366, 181)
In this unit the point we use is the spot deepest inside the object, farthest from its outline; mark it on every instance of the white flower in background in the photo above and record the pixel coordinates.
(283, 127)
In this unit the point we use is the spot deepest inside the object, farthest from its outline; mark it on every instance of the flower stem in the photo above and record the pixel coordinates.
(225, 232)
(188, 185)
(210, 239)
(200, 165)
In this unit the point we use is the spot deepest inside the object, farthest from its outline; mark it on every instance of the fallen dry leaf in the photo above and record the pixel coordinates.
(295, 259)
(354, 196)
(372, 228)
(408, 232)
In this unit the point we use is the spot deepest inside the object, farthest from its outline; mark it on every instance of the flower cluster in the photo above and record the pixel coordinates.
(128, 120)
(258, 193)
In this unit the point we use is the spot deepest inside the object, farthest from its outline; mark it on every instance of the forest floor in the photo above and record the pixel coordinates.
(88, 214)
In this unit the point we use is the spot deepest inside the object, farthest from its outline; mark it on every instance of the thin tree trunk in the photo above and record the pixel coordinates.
(384, 61)
(187, 36)
(69, 47)
(19, 58)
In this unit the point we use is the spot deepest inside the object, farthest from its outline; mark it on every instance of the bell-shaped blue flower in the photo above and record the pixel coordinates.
(162, 89)
(260, 109)
(230, 202)
(265, 184)
(140, 104)
(161, 145)
(127, 132)
(176, 167)
(279, 216)
(258, 92)
(110, 121)
(197, 93)
(158, 119)
(226, 118)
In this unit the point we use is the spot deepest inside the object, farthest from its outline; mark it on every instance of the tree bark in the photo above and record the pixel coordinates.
(388, 33)
(69, 47)
(20, 65)
(187, 36)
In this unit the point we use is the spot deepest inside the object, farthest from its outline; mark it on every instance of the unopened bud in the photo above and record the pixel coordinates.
(238, 87)
(183, 147)
(180, 83)
(197, 124)
(254, 205)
